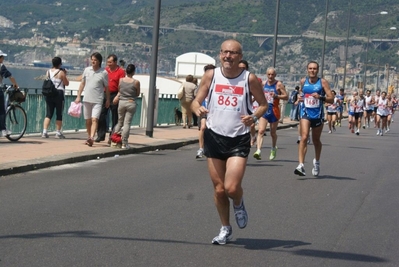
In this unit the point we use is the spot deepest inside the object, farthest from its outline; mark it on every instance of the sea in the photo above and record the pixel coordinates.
(31, 78)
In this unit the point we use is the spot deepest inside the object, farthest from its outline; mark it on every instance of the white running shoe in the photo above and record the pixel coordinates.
(300, 170)
(316, 168)
(329, 132)
(241, 216)
(200, 153)
(226, 234)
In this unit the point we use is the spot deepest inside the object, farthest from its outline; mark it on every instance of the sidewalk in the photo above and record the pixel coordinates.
(33, 152)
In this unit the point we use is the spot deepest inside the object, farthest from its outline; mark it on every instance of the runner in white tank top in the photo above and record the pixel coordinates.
(376, 98)
(382, 112)
(227, 138)
(369, 108)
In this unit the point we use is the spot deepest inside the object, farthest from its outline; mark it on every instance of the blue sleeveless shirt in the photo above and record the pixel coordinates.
(313, 107)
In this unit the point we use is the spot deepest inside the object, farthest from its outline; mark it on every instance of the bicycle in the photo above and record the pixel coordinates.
(16, 120)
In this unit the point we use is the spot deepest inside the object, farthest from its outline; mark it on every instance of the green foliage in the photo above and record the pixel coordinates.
(96, 19)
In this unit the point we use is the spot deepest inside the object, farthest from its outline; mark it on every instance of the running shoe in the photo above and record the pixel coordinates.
(378, 132)
(273, 153)
(316, 168)
(387, 130)
(333, 128)
(241, 216)
(200, 153)
(59, 136)
(364, 126)
(257, 155)
(45, 135)
(299, 140)
(353, 130)
(357, 132)
(329, 132)
(300, 170)
(226, 234)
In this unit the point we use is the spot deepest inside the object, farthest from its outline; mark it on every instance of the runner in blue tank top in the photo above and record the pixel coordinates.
(315, 91)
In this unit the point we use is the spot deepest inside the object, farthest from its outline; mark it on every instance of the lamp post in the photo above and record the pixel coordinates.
(346, 46)
(392, 29)
(153, 76)
(324, 40)
(367, 45)
(276, 33)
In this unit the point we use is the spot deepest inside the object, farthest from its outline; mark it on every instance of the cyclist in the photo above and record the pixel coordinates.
(4, 73)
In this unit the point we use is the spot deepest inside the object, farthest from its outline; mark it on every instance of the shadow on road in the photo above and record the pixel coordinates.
(322, 177)
(262, 244)
(338, 255)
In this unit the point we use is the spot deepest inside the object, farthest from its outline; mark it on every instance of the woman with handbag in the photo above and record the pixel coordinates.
(128, 91)
(57, 74)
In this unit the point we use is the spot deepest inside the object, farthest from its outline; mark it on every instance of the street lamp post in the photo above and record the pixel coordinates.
(392, 29)
(324, 40)
(276, 32)
(367, 46)
(346, 46)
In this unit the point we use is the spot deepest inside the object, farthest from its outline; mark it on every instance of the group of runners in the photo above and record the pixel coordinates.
(229, 92)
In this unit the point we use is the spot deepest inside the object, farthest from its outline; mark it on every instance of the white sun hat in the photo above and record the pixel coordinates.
(2, 54)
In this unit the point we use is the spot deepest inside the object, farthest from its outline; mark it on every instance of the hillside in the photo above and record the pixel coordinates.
(92, 21)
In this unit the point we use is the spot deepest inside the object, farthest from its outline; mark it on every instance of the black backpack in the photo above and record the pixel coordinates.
(293, 97)
(48, 88)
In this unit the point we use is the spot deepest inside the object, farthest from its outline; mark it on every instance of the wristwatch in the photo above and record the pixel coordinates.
(255, 119)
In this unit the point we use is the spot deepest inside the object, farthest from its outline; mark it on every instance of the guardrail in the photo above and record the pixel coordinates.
(35, 107)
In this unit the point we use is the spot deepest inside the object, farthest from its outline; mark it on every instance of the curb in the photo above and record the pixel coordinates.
(46, 163)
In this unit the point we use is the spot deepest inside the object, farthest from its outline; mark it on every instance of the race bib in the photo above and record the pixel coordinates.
(228, 97)
(268, 97)
(311, 102)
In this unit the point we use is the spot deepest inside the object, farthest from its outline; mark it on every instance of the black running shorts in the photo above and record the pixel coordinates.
(314, 123)
(223, 147)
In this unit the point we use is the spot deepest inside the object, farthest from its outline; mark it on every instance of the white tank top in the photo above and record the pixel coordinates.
(228, 100)
(382, 108)
(369, 106)
(359, 105)
(57, 82)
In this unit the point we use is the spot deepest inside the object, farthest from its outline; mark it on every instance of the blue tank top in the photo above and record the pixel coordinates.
(313, 107)
(267, 89)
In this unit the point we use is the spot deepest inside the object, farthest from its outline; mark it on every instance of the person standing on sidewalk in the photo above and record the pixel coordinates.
(188, 96)
(4, 73)
(227, 138)
(58, 76)
(94, 81)
(274, 92)
(115, 73)
(292, 100)
(315, 91)
(129, 90)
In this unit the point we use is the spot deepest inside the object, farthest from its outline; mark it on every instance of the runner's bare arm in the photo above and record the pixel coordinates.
(282, 92)
(257, 92)
(203, 90)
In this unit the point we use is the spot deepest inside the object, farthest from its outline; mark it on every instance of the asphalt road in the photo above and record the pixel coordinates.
(156, 209)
